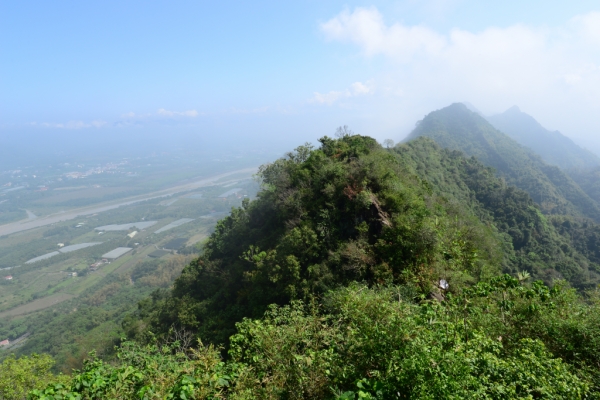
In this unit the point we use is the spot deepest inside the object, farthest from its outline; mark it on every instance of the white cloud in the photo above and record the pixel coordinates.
(587, 26)
(70, 124)
(131, 114)
(552, 72)
(161, 116)
(356, 89)
(327, 98)
(167, 113)
(98, 124)
(365, 27)
(259, 110)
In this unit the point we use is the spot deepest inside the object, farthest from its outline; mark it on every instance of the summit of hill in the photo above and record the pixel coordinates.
(456, 127)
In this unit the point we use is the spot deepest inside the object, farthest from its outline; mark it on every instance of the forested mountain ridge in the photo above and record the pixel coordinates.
(549, 247)
(552, 146)
(361, 272)
(457, 128)
(348, 211)
(351, 211)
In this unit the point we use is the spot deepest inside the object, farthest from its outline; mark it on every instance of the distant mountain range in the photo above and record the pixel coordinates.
(457, 128)
(554, 147)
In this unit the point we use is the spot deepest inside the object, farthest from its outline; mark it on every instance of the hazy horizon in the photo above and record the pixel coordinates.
(272, 76)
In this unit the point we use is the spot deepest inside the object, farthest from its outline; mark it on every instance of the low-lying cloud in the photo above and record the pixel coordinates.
(167, 113)
(356, 89)
(127, 119)
(70, 124)
(162, 113)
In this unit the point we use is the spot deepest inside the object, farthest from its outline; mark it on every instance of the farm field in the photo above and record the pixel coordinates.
(36, 305)
(63, 215)
(36, 292)
(35, 192)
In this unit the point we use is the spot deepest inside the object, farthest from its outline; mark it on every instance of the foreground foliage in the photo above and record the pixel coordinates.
(497, 340)
(20, 375)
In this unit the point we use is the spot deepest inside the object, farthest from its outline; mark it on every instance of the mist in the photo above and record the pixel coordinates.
(131, 81)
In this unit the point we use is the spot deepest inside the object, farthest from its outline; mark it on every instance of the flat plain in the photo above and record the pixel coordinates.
(77, 238)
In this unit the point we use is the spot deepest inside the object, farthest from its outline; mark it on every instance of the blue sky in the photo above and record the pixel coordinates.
(292, 71)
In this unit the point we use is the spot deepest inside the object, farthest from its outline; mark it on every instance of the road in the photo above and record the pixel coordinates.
(24, 225)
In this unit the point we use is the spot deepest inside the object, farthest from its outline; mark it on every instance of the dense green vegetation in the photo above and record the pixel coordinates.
(457, 128)
(552, 146)
(498, 340)
(548, 247)
(588, 179)
(346, 212)
(354, 212)
(19, 376)
(365, 273)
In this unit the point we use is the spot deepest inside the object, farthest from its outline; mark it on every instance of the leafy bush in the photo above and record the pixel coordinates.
(20, 375)
(362, 343)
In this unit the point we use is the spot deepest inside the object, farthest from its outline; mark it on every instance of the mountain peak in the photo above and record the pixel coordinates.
(552, 146)
(471, 107)
(456, 128)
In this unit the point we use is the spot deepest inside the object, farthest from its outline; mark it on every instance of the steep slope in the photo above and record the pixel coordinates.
(552, 146)
(548, 247)
(351, 211)
(346, 212)
(588, 179)
(457, 128)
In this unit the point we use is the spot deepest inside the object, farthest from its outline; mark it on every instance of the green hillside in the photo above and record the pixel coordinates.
(457, 128)
(353, 212)
(588, 179)
(365, 273)
(552, 146)
(548, 247)
(346, 212)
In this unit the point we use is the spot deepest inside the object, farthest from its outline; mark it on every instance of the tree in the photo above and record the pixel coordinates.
(388, 143)
(343, 131)
(20, 375)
